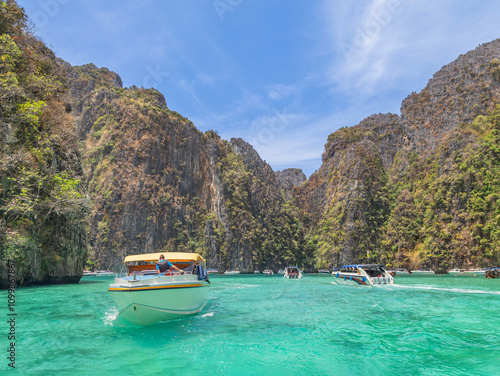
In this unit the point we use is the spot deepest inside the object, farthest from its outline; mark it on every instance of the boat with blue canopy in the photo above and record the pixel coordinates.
(363, 274)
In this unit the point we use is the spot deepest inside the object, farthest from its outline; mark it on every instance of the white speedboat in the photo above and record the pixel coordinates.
(268, 272)
(369, 274)
(293, 272)
(422, 272)
(401, 272)
(88, 273)
(212, 271)
(231, 272)
(104, 273)
(475, 271)
(323, 271)
(143, 297)
(467, 272)
(256, 272)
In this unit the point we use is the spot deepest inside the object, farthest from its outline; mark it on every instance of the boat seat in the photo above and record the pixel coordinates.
(189, 269)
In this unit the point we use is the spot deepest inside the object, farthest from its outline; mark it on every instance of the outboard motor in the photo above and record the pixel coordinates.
(202, 274)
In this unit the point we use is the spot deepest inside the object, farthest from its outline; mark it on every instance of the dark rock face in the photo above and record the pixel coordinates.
(289, 178)
(456, 94)
(42, 185)
(366, 166)
(156, 182)
(397, 189)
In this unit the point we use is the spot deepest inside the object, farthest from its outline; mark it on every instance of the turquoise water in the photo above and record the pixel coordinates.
(267, 325)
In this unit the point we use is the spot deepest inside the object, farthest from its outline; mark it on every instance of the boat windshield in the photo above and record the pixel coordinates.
(373, 270)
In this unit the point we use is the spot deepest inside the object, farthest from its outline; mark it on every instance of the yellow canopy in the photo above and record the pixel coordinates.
(170, 256)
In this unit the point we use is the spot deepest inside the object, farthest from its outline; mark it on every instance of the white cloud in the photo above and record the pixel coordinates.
(280, 91)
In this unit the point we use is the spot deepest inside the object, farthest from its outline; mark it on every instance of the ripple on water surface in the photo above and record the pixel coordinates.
(266, 325)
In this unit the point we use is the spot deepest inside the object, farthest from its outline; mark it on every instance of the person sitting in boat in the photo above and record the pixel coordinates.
(163, 265)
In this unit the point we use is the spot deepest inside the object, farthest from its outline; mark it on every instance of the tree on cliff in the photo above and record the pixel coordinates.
(42, 197)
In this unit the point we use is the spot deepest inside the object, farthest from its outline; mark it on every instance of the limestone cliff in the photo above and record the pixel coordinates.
(156, 182)
(289, 178)
(400, 190)
(87, 165)
(42, 186)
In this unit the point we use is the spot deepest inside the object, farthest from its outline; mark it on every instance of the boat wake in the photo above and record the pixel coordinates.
(110, 317)
(457, 290)
(239, 287)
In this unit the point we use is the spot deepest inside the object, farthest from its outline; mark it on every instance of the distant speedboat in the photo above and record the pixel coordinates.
(212, 271)
(268, 272)
(401, 271)
(87, 273)
(422, 272)
(293, 272)
(256, 272)
(467, 272)
(231, 272)
(143, 297)
(104, 273)
(475, 271)
(323, 271)
(369, 274)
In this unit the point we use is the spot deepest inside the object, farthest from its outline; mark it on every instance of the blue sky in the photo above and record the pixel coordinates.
(282, 75)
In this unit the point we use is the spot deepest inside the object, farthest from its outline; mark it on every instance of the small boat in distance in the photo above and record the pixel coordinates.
(422, 272)
(369, 274)
(401, 272)
(293, 272)
(323, 271)
(104, 273)
(143, 296)
(268, 272)
(88, 273)
(256, 272)
(467, 272)
(212, 271)
(231, 272)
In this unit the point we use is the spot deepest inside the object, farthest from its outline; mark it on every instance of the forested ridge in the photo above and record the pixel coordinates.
(91, 172)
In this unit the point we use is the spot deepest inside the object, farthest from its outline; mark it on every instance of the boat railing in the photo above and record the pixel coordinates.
(139, 275)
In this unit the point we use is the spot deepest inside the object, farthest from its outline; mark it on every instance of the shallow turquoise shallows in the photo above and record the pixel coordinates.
(267, 325)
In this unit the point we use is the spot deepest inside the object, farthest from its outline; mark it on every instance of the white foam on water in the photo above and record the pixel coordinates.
(458, 290)
(238, 287)
(110, 317)
(209, 314)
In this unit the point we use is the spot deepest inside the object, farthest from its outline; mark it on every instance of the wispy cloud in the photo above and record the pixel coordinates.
(280, 91)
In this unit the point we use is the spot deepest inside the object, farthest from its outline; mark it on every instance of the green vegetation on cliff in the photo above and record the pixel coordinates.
(447, 211)
(82, 158)
(42, 194)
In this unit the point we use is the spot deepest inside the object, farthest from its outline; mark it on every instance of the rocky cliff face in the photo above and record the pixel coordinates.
(390, 188)
(42, 186)
(156, 182)
(78, 150)
(289, 178)
(456, 95)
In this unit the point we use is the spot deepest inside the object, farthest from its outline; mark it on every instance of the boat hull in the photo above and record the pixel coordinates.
(363, 275)
(147, 303)
(343, 279)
